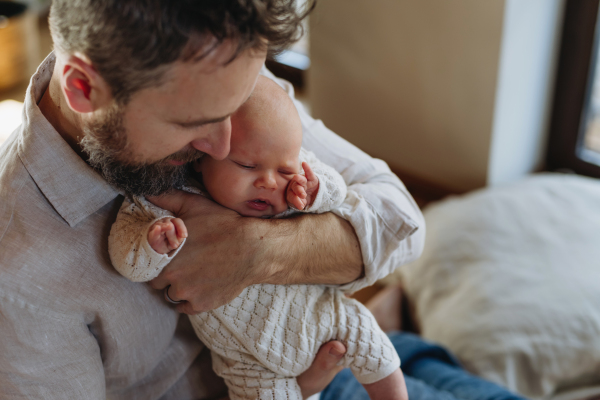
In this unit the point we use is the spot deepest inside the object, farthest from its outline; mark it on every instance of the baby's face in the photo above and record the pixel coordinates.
(253, 179)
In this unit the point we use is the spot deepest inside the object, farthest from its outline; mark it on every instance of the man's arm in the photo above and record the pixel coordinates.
(385, 229)
(388, 223)
(225, 252)
(321, 249)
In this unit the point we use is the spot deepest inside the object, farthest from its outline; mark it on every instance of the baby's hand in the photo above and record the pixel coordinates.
(166, 234)
(302, 190)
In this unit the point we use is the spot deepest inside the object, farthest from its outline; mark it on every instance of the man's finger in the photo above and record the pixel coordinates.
(323, 369)
(160, 282)
(186, 308)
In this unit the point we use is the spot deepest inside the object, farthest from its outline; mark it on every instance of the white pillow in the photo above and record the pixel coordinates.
(510, 282)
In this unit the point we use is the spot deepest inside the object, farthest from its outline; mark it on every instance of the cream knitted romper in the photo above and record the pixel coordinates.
(269, 334)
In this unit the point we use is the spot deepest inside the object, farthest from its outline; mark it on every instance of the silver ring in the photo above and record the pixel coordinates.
(170, 300)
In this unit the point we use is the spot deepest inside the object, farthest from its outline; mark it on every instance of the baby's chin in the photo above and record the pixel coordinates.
(252, 209)
(255, 214)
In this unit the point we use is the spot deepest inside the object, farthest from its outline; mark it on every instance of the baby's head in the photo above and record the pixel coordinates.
(266, 136)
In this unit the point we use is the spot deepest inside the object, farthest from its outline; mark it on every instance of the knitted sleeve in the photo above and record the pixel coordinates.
(130, 253)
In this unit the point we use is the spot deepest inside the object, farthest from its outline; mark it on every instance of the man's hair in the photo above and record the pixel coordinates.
(132, 42)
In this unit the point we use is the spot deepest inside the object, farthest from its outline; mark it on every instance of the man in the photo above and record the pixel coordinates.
(133, 92)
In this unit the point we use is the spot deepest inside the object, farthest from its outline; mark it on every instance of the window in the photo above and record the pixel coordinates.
(574, 142)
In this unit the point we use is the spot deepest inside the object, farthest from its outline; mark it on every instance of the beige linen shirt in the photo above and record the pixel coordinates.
(71, 327)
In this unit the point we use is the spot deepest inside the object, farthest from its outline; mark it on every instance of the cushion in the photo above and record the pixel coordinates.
(510, 282)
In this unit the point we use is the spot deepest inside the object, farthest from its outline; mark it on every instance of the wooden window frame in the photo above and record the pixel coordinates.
(572, 93)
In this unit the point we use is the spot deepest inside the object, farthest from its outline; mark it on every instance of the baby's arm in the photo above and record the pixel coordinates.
(320, 190)
(139, 248)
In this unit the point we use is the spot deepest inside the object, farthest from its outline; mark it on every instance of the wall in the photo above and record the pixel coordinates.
(418, 83)
(530, 44)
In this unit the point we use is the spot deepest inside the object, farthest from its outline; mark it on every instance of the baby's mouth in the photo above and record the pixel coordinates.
(259, 204)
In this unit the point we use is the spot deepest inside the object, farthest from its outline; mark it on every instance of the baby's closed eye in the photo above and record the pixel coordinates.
(245, 166)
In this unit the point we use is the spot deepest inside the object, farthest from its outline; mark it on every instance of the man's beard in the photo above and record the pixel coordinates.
(105, 143)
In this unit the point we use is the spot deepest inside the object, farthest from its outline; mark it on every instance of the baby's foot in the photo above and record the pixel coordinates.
(166, 235)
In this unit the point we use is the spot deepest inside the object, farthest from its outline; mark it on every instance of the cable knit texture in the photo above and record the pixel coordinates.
(269, 334)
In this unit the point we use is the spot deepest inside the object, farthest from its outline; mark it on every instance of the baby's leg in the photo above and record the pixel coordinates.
(371, 356)
(392, 387)
(247, 381)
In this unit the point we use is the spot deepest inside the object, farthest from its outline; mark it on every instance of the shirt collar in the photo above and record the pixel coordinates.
(74, 189)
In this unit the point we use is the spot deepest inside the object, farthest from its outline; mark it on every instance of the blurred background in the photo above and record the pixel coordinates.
(453, 95)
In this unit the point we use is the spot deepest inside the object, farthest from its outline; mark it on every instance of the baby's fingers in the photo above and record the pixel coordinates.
(293, 199)
(154, 232)
(296, 202)
(310, 175)
(299, 190)
(180, 229)
(172, 239)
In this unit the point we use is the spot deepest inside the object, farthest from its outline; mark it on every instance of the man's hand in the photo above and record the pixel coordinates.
(302, 190)
(219, 260)
(323, 369)
(225, 252)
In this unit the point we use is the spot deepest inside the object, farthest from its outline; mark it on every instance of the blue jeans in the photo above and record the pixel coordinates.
(431, 373)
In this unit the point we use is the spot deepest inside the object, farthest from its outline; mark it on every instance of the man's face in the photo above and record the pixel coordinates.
(143, 147)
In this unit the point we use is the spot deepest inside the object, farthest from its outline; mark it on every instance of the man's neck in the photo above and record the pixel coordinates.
(54, 107)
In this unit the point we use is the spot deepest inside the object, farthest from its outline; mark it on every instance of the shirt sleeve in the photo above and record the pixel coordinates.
(60, 361)
(130, 253)
(387, 221)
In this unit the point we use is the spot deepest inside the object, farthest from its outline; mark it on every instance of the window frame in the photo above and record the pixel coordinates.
(572, 92)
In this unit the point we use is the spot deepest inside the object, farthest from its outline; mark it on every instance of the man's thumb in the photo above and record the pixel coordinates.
(323, 369)
(335, 353)
(329, 355)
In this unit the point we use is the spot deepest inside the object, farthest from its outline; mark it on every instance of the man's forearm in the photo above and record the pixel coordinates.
(311, 249)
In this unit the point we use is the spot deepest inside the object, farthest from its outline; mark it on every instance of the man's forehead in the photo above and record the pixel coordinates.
(193, 93)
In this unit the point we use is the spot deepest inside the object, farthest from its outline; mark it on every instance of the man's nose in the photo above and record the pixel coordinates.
(266, 181)
(216, 141)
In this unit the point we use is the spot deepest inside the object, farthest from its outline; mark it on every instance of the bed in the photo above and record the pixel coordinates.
(510, 282)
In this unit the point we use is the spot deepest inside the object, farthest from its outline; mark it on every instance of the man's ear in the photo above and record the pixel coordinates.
(82, 86)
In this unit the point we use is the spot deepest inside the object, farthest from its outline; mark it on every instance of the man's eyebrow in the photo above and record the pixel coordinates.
(202, 121)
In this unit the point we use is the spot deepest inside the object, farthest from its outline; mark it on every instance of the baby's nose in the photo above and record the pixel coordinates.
(267, 181)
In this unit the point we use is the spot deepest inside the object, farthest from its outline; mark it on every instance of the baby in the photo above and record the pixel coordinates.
(269, 334)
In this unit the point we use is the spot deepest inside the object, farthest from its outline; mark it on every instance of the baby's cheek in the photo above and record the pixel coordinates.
(282, 204)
